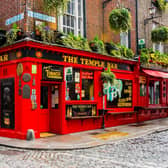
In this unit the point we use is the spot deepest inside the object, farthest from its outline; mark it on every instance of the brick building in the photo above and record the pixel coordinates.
(90, 20)
(147, 22)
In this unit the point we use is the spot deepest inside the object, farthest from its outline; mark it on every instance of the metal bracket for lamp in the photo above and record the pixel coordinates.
(151, 18)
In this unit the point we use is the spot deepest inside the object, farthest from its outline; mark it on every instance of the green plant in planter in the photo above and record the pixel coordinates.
(126, 52)
(13, 34)
(160, 34)
(97, 45)
(120, 20)
(55, 6)
(160, 4)
(76, 42)
(107, 76)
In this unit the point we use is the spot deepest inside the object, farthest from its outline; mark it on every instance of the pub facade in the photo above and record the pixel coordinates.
(55, 89)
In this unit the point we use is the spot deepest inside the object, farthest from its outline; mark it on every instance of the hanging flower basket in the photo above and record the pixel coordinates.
(107, 76)
(160, 34)
(160, 4)
(120, 20)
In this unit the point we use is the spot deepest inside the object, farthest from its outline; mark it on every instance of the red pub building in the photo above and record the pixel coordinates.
(55, 89)
(51, 88)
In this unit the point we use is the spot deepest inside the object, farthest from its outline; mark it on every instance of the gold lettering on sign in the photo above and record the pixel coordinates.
(92, 62)
(112, 65)
(70, 59)
(3, 58)
(53, 74)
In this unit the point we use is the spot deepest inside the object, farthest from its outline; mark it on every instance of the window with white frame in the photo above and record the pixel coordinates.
(124, 39)
(157, 46)
(72, 20)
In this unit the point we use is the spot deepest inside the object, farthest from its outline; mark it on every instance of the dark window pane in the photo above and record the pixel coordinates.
(68, 20)
(64, 20)
(44, 97)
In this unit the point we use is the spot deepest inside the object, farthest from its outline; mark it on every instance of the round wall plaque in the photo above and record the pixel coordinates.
(19, 69)
(26, 77)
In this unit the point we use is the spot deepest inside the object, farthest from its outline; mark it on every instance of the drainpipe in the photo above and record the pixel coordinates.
(136, 22)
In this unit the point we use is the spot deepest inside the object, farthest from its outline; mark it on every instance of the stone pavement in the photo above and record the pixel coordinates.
(88, 139)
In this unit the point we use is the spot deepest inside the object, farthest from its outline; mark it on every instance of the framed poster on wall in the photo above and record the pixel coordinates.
(7, 103)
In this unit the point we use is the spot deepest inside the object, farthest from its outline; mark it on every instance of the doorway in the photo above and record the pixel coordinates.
(49, 107)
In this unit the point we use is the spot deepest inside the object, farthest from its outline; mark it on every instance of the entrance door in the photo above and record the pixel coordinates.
(44, 112)
(49, 112)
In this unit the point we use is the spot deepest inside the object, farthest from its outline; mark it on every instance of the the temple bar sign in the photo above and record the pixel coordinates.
(96, 63)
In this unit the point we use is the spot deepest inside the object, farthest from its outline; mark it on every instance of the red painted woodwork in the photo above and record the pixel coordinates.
(54, 120)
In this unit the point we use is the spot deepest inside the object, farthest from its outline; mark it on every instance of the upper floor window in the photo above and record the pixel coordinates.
(72, 20)
(157, 46)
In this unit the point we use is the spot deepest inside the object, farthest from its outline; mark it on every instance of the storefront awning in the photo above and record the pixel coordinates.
(156, 73)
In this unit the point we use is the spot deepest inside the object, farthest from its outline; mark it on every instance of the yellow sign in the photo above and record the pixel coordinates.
(89, 62)
(4, 58)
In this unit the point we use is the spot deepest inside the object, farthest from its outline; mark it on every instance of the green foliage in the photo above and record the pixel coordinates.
(126, 52)
(73, 41)
(120, 20)
(97, 45)
(11, 35)
(108, 76)
(160, 34)
(118, 50)
(149, 56)
(55, 6)
(160, 4)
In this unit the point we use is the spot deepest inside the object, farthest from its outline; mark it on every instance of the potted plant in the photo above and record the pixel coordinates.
(14, 34)
(120, 20)
(97, 45)
(160, 4)
(160, 34)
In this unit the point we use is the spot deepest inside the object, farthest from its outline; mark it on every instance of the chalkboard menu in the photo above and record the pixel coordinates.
(80, 110)
(7, 103)
(120, 94)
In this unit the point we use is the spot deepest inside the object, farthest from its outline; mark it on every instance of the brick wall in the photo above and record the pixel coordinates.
(94, 17)
(145, 30)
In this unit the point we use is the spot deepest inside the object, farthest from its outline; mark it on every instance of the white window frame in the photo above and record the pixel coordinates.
(76, 16)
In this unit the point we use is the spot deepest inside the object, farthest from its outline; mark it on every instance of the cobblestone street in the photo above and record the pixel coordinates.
(150, 151)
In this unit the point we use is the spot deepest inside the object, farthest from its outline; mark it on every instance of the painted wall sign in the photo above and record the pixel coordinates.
(119, 94)
(14, 19)
(80, 110)
(41, 16)
(55, 56)
(52, 72)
